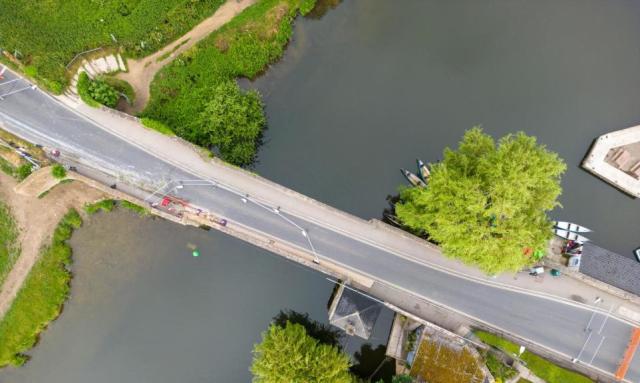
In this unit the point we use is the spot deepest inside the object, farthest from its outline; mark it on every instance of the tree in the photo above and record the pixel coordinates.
(486, 204)
(323, 333)
(232, 121)
(58, 171)
(290, 355)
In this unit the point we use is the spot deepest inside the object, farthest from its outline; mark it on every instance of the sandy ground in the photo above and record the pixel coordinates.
(142, 71)
(36, 218)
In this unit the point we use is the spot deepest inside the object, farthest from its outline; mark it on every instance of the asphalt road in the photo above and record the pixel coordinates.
(553, 324)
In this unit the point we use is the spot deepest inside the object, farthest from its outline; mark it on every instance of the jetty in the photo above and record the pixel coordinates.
(615, 157)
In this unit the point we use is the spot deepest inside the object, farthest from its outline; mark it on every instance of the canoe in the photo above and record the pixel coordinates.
(571, 227)
(636, 252)
(570, 235)
(423, 171)
(412, 178)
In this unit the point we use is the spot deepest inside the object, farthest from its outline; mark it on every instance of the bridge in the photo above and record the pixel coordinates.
(384, 261)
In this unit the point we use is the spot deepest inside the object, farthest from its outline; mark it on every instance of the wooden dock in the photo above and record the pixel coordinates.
(615, 157)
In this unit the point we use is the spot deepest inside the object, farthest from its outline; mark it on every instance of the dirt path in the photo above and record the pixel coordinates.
(142, 71)
(36, 218)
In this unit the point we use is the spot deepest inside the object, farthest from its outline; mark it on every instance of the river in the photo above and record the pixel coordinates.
(360, 93)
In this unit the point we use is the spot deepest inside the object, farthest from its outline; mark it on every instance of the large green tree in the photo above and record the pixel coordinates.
(288, 354)
(231, 121)
(486, 204)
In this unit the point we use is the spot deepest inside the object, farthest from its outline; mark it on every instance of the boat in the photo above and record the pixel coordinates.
(423, 171)
(636, 252)
(570, 235)
(412, 178)
(571, 227)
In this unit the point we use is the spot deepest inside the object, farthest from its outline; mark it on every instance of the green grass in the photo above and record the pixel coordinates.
(48, 34)
(244, 47)
(499, 370)
(58, 171)
(157, 126)
(41, 297)
(121, 86)
(19, 173)
(134, 207)
(543, 368)
(105, 205)
(9, 248)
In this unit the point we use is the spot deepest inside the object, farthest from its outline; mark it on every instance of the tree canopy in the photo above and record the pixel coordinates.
(486, 204)
(231, 121)
(288, 354)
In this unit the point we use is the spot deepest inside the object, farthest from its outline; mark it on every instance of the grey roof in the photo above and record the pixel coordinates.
(611, 268)
(356, 314)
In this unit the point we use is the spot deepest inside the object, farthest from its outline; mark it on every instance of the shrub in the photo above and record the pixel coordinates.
(134, 208)
(23, 171)
(103, 93)
(58, 171)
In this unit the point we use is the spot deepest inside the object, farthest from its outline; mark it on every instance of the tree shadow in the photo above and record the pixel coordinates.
(321, 332)
(321, 8)
(372, 364)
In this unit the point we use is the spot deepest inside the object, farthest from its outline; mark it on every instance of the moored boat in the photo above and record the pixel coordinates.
(423, 170)
(412, 178)
(636, 252)
(570, 235)
(571, 227)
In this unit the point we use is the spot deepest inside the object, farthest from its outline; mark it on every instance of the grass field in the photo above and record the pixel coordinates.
(48, 34)
(543, 368)
(40, 299)
(244, 47)
(9, 248)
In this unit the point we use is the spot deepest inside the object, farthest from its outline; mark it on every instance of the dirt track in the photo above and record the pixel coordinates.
(36, 218)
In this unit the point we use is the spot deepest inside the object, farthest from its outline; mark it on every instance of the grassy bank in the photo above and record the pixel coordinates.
(46, 35)
(41, 298)
(107, 205)
(9, 249)
(543, 368)
(182, 91)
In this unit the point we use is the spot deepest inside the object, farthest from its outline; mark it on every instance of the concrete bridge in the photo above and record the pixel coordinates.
(587, 334)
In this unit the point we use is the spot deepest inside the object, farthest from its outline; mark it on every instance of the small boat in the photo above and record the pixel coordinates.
(423, 171)
(636, 252)
(412, 178)
(570, 235)
(571, 227)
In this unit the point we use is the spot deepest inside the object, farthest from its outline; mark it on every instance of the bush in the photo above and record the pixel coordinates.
(23, 171)
(134, 208)
(58, 171)
(103, 93)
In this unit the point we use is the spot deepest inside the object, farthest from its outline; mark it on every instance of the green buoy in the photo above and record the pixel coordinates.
(195, 253)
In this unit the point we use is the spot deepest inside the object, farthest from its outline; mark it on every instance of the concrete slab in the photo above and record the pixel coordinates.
(601, 162)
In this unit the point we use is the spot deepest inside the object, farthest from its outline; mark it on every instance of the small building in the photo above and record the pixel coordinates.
(611, 268)
(354, 312)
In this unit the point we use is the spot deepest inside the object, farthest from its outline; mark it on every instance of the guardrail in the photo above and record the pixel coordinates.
(81, 54)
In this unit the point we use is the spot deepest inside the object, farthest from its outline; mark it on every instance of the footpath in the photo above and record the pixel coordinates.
(373, 232)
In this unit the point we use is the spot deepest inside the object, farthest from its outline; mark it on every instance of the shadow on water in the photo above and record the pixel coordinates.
(372, 365)
(323, 333)
(321, 8)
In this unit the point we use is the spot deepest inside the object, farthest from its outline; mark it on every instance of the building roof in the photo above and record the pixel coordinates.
(611, 268)
(355, 313)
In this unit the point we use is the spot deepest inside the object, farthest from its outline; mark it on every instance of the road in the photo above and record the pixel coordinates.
(554, 324)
